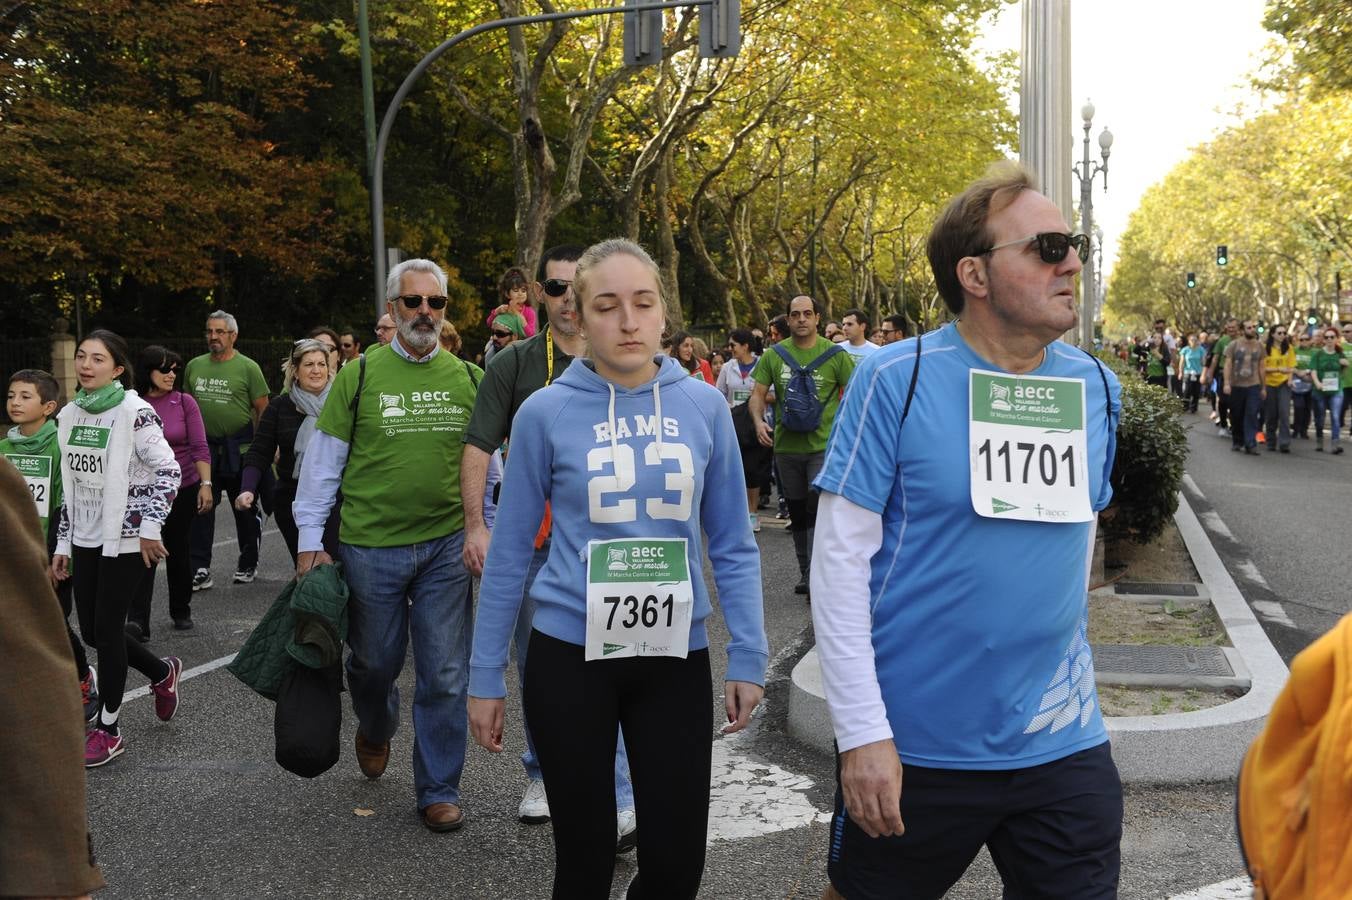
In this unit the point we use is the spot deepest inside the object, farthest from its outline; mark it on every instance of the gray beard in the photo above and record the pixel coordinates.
(421, 342)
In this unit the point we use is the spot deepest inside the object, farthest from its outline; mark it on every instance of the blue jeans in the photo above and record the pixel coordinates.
(1334, 404)
(624, 787)
(423, 590)
(1244, 403)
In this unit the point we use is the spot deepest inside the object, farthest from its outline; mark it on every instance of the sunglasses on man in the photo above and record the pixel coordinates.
(413, 301)
(1052, 246)
(501, 334)
(556, 287)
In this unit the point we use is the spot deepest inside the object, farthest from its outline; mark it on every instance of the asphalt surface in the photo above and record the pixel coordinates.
(197, 808)
(1281, 524)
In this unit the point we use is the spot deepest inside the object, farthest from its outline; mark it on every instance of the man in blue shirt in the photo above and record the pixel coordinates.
(959, 496)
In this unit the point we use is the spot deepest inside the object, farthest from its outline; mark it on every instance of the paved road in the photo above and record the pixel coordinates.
(1281, 522)
(197, 807)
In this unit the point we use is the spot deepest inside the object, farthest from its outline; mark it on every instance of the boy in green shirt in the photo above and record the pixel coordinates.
(32, 447)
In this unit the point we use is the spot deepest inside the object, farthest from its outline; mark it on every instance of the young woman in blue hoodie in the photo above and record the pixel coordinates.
(637, 461)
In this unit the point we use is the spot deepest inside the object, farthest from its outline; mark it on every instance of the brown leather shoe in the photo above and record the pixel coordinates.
(443, 817)
(372, 757)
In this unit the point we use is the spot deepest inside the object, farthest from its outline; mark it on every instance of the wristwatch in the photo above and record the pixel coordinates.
(205, 483)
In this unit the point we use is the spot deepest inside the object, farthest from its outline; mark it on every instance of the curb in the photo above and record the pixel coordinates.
(1175, 748)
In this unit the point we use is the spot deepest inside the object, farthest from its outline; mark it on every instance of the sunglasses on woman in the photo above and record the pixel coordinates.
(167, 369)
(1052, 246)
(413, 301)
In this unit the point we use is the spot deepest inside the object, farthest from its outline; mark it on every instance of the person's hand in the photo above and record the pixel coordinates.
(308, 559)
(485, 722)
(244, 501)
(740, 699)
(476, 549)
(60, 568)
(1226, 390)
(870, 779)
(1262, 393)
(504, 308)
(152, 552)
(765, 434)
(206, 499)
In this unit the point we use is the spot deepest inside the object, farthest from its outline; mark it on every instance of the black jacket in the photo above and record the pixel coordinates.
(277, 429)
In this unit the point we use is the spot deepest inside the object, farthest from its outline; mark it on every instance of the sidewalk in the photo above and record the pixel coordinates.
(1175, 748)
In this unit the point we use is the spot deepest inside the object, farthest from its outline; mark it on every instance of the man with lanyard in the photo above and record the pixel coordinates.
(951, 628)
(799, 454)
(389, 436)
(231, 392)
(520, 369)
(1215, 368)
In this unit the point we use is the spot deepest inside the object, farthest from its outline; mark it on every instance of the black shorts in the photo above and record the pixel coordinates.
(1054, 832)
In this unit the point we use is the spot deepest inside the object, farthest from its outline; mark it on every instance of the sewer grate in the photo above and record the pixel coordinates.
(1160, 659)
(1157, 588)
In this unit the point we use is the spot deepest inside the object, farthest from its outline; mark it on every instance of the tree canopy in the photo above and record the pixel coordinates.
(159, 159)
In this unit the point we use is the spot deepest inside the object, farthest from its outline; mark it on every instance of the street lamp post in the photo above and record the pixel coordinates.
(1085, 170)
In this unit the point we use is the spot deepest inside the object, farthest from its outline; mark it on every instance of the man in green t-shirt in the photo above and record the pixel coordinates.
(231, 392)
(799, 454)
(390, 436)
(1215, 368)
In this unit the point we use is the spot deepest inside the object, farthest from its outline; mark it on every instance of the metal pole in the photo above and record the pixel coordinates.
(368, 96)
(387, 121)
(1087, 290)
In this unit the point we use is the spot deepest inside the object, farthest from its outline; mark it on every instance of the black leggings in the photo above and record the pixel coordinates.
(177, 565)
(575, 708)
(104, 586)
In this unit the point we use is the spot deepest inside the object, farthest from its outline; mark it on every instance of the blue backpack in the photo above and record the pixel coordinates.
(800, 408)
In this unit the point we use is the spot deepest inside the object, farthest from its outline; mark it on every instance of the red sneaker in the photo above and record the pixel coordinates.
(166, 691)
(101, 747)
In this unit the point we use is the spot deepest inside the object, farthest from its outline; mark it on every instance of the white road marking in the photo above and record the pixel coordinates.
(1271, 610)
(236, 540)
(186, 674)
(751, 798)
(1212, 520)
(1235, 889)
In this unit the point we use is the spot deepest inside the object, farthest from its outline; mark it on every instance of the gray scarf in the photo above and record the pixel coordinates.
(309, 404)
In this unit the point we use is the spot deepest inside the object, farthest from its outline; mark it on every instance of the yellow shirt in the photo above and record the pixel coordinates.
(1276, 359)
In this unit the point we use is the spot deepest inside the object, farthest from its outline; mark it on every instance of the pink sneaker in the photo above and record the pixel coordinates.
(166, 691)
(101, 747)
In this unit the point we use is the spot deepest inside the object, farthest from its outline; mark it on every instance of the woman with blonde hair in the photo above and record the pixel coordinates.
(287, 426)
(639, 465)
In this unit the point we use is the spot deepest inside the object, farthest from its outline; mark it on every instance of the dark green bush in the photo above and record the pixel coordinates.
(1151, 452)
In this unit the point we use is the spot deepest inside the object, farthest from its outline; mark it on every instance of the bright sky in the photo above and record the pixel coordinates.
(1164, 76)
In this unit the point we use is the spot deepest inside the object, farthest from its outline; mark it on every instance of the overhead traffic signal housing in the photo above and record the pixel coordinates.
(1192, 280)
(1312, 316)
(642, 36)
(1222, 255)
(720, 29)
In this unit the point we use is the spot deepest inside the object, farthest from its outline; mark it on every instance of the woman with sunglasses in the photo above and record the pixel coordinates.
(157, 381)
(284, 432)
(639, 466)
(120, 479)
(1326, 365)
(1279, 364)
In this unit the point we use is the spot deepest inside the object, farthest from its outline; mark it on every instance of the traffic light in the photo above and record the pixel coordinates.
(1192, 280)
(1222, 255)
(1261, 328)
(1312, 317)
(720, 29)
(642, 36)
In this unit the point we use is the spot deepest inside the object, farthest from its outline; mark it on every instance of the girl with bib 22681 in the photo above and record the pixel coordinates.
(120, 479)
(638, 461)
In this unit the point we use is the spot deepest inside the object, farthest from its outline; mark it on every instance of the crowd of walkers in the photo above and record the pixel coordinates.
(1265, 386)
(587, 463)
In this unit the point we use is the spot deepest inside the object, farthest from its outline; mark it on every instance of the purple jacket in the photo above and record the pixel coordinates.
(184, 431)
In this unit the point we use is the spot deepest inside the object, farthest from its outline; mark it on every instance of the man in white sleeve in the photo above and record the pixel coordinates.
(959, 496)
